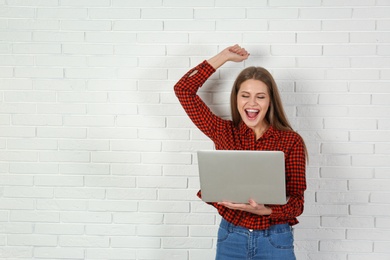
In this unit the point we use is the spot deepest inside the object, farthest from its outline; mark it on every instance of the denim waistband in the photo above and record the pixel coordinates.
(278, 228)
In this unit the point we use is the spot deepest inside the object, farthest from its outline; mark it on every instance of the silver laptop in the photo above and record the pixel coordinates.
(237, 176)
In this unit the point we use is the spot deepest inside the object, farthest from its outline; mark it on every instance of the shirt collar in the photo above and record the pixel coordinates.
(245, 130)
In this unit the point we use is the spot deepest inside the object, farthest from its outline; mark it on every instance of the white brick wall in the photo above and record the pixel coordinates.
(97, 158)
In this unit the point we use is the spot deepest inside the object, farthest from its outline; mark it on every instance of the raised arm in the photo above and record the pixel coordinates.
(233, 53)
(186, 89)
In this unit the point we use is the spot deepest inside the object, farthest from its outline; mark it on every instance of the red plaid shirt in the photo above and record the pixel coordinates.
(228, 137)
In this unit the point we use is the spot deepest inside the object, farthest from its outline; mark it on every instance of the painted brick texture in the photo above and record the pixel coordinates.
(98, 159)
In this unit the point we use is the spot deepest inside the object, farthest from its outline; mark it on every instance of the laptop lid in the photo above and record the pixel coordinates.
(237, 176)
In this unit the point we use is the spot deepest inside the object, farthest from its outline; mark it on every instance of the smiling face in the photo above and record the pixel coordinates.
(253, 101)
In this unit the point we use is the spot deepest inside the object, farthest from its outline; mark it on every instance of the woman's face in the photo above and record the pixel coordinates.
(253, 101)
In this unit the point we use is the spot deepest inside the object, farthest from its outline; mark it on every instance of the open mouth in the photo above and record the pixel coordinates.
(252, 113)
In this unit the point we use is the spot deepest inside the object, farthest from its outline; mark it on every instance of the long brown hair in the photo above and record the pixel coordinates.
(275, 115)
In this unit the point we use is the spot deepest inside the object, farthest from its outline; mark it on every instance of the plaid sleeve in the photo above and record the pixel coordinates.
(295, 183)
(186, 91)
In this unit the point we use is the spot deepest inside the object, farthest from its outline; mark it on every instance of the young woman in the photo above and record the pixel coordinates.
(250, 231)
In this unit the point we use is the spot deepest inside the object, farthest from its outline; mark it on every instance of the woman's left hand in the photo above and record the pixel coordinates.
(252, 207)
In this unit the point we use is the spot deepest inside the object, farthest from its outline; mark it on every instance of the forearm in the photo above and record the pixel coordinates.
(233, 53)
(218, 60)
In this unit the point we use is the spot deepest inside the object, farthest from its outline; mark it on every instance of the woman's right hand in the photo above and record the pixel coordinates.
(236, 53)
(233, 53)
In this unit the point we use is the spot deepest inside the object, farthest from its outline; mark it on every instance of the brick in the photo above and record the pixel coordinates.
(349, 3)
(347, 148)
(267, 38)
(27, 96)
(61, 204)
(84, 169)
(86, 25)
(42, 36)
(378, 197)
(87, 49)
(304, 3)
(110, 230)
(342, 197)
(295, 25)
(220, 13)
(369, 185)
(311, 234)
(26, 252)
(371, 13)
(114, 13)
(367, 234)
(86, 217)
(110, 37)
(54, 252)
(115, 157)
(39, 72)
(61, 61)
(112, 61)
(114, 133)
(138, 218)
(113, 206)
(164, 207)
(64, 156)
(370, 210)
(348, 25)
(19, 228)
(36, 48)
(348, 123)
(78, 193)
(346, 246)
(62, 181)
(65, 132)
(346, 173)
(34, 216)
(178, 194)
(16, 36)
(56, 229)
(166, 158)
(26, 192)
(101, 253)
(83, 241)
(167, 13)
(91, 3)
(94, 121)
(33, 24)
(190, 219)
(61, 108)
(382, 222)
(33, 168)
(15, 60)
(31, 240)
(87, 73)
(197, 243)
(134, 97)
(347, 222)
(62, 13)
(349, 50)
(162, 37)
(189, 25)
(17, 12)
(131, 194)
(59, 85)
(111, 84)
(145, 25)
(111, 109)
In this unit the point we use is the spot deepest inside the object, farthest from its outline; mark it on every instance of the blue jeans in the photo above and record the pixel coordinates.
(239, 243)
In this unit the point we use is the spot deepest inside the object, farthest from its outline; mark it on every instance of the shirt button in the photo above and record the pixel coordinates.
(250, 230)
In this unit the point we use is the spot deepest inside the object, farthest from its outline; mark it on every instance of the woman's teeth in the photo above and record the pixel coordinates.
(251, 113)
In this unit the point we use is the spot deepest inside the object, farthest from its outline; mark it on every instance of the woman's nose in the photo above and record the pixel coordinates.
(252, 101)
